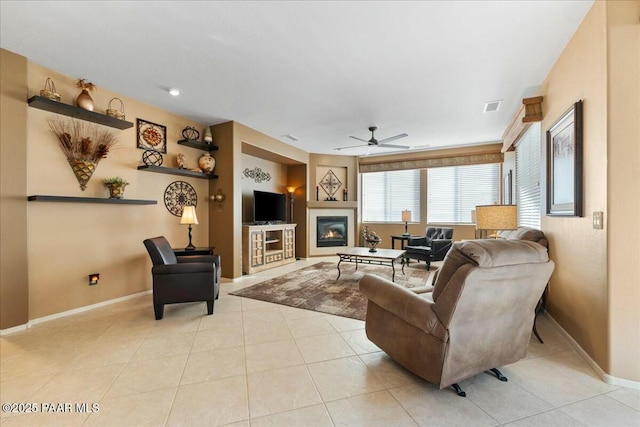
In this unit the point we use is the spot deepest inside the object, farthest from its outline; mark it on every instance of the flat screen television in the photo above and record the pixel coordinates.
(269, 207)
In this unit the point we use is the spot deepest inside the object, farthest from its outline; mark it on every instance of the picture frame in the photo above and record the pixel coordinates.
(564, 164)
(507, 198)
(151, 136)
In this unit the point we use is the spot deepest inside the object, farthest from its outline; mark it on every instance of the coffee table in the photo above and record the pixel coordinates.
(379, 257)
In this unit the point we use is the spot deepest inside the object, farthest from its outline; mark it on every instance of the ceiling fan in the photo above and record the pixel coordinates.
(373, 142)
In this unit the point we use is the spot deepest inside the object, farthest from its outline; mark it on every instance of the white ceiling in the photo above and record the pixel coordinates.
(320, 71)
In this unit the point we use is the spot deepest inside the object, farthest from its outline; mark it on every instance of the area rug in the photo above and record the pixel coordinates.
(316, 288)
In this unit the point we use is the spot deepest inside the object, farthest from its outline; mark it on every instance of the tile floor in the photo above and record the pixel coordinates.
(258, 364)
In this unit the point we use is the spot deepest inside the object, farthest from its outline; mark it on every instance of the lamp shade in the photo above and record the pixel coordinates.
(406, 216)
(189, 215)
(496, 217)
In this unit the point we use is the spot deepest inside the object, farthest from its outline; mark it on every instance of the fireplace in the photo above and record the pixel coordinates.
(332, 231)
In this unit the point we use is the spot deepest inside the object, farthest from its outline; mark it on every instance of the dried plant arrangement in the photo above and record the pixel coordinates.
(84, 145)
(84, 84)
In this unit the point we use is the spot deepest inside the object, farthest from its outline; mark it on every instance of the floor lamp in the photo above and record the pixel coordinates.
(496, 217)
(292, 193)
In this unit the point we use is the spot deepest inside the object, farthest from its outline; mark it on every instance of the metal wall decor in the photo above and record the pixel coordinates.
(257, 174)
(190, 133)
(179, 194)
(152, 158)
(151, 136)
(330, 184)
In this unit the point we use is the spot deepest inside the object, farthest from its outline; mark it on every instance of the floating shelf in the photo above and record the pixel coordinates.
(175, 171)
(198, 144)
(65, 199)
(76, 112)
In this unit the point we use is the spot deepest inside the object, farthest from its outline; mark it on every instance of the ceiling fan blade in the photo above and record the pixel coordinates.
(351, 146)
(393, 138)
(359, 139)
(406, 147)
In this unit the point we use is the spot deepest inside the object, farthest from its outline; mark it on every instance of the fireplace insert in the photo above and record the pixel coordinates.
(332, 231)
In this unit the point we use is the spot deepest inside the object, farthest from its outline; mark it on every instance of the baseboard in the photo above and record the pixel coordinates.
(39, 320)
(609, 379)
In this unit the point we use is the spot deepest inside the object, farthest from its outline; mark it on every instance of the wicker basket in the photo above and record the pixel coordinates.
(49, 90)
(112, 112)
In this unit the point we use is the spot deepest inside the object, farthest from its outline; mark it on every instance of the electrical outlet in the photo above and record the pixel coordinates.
(598, 220)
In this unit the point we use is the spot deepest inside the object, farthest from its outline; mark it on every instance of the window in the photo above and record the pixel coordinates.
(528, 177)
(386, 194)
(453, 192)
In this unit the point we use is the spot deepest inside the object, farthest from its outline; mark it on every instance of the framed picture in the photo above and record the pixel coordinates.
(151, 136)
(564, 164)
(508, 188)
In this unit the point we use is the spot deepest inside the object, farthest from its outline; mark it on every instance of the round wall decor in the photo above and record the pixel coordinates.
(151, 158)
(178, 195)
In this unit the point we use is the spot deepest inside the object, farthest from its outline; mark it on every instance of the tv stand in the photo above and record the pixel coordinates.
(267, 246)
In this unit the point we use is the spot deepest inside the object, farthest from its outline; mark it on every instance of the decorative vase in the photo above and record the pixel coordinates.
(208, 138)
(85, 101)
(83, 169)
(116, 191)
(207, 163)
(373, 244)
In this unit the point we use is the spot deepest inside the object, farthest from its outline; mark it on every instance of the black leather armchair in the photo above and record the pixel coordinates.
(182, 279)
(433, 246)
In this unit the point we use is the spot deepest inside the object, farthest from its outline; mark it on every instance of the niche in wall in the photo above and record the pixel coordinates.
(330, 173)
(276, 183)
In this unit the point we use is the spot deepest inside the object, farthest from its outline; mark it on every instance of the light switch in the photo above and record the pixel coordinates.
(597, 220)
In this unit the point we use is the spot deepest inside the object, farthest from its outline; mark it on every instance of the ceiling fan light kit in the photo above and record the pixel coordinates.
(373, 142)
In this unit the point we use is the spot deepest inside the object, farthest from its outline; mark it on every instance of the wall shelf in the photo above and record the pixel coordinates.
(198, 144)
(77, 112)
(175, 171)
(66, 199)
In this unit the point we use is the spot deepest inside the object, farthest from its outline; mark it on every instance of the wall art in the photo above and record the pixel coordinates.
(330, 184)
(151, 136)
(564, 164)
(179, 194)
(257, 174)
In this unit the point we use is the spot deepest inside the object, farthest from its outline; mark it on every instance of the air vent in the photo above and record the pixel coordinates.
(492, 106)
(290, 137)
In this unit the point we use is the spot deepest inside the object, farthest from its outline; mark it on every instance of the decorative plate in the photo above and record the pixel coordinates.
(178, 195)
(151, 136)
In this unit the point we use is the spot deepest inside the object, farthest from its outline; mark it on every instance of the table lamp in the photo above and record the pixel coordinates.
(496, 217)
(189, 217)
(406, 217)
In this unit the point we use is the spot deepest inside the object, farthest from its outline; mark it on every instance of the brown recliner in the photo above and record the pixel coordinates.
(477, 317)
(182, 279)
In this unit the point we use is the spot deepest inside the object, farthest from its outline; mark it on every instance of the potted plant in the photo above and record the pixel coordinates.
(116, 187)
(84, 100)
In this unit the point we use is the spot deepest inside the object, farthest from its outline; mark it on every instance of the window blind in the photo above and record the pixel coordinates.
(453, 192)
(528, 177)
(386, 194)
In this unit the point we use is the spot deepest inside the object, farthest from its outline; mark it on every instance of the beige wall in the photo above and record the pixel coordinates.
(623, 194)
(578, 287)
(69, 241)
(14, 282)
(594, 291)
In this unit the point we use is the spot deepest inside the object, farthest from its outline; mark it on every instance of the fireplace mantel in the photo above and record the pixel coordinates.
(331, 205)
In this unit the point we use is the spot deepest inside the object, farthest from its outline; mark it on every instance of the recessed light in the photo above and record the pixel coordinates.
(174, 92)
(493, 106)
